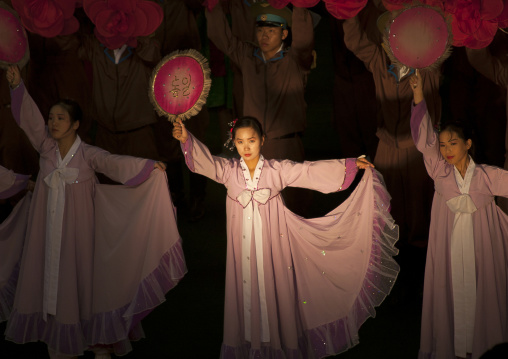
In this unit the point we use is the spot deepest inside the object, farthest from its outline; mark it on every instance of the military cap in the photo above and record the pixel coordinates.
(266, 15)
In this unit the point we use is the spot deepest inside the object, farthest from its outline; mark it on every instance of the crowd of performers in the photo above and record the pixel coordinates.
(91, 245)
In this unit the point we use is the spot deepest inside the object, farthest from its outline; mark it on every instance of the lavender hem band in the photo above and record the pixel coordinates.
(143, 175)
(74, 339)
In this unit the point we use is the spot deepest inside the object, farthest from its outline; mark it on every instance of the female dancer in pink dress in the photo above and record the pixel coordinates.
(96, 258)
(465, 299)
(296, 287)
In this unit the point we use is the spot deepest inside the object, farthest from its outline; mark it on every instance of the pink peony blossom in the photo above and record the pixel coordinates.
(119, 22)
(475, 22)
(210, 4)
(305, 3)
(438, 4)
(342, 9)
(278, 4)
(392, 5)
(502, 19)
(48, 18)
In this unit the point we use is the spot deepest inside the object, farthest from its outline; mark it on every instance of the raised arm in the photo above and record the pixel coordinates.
(302, 32)
(11, 183)
(25, 111)
(424, 135)
(198, 158)
(358, 43)
(86, 46)
(221, 35)
(148, 50)
(489, 66)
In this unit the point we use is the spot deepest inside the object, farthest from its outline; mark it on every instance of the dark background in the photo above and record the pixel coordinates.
(189, 324)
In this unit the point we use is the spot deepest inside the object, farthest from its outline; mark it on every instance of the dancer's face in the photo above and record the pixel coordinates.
(59, 123)
(453, 148)
(248, 144)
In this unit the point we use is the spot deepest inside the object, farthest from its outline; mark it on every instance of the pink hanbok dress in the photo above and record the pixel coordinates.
(296, 287)
(11, 184)
(465, 299)
(96, 258)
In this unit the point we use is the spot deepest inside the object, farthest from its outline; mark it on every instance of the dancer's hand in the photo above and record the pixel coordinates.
(13, 76)
(179, 131)
(416, 85)
(362, 163)
(159, 165)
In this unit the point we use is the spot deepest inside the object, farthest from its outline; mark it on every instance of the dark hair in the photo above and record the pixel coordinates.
(248, 122)
(463, 130)
(72, 107)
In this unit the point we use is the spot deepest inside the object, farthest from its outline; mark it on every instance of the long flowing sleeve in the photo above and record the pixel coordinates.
(324, 176)
(357, 42)
(11, 183)
(86, 47)
(302, 33)
(28, 117)
(199, 160)
(425, 138)
(138, 255)
(128, 170)
(488, 65)
(496, 180)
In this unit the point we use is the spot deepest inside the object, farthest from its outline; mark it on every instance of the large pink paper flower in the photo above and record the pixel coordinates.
(210, 4)
(392, 5)
(119, 22)
(438, 4)
(48, 18)
(475, 22)
(344, 9)
(502, 19)
(304, 3)
(279, 4)
(13, 42)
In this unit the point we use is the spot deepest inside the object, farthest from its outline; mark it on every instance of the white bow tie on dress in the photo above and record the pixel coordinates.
(59, 175)
(461, 204)
(261, 196)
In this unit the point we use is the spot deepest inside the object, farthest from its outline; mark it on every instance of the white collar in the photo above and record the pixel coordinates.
(252, 183)
(464, 183)
(403, 71)
(68, 157)
(118, 53)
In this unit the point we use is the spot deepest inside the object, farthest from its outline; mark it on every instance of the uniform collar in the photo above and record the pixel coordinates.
(279, 55)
